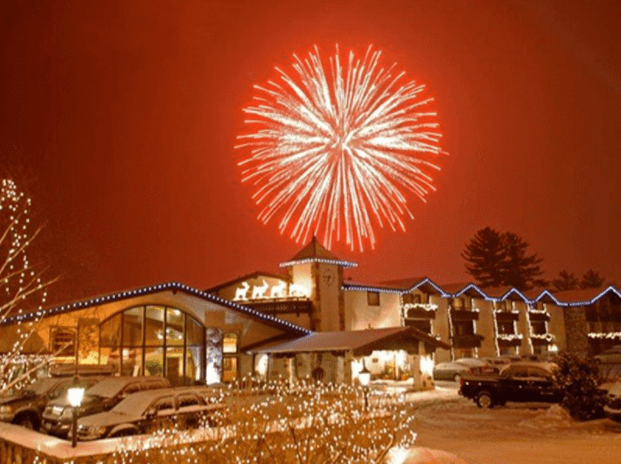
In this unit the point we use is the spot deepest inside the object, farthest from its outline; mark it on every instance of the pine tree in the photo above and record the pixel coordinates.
(494, 259)
(521, 269)
(591, 279)
(484, 256)
(566, 281)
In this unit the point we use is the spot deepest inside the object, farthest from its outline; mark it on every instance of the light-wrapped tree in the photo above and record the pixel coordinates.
(22, 288)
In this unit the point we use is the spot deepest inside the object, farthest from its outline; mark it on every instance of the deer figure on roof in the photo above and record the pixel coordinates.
(259, 291)
(241, 293)
(278, 291)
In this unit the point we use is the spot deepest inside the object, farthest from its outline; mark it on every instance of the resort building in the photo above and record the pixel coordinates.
(309, 322)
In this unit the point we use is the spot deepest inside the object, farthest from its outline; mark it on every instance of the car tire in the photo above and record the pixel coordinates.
(485, 400)
(122, 433)
(26, 421)
(457, 377)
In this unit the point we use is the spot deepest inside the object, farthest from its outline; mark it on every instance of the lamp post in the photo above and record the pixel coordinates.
(365, 377)
(75, 393)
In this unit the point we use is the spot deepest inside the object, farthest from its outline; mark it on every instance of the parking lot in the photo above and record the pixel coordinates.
(530, 433)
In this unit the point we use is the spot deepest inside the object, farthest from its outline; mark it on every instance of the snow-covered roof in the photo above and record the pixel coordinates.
(170, 286)
(354, 340)
(453, 290)
(316, 252)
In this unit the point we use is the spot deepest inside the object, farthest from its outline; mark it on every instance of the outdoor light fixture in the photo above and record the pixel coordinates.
(365, 377)
(75, 393)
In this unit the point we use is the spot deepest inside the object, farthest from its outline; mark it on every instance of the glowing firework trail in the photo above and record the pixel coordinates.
(334, 154)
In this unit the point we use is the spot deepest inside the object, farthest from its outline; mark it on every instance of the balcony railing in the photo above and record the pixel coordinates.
(507, 316)
(538, 316)
(467, 341)
(462, 315)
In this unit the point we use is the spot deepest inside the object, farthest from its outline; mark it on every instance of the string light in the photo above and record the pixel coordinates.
(170, 286)
(278, 421)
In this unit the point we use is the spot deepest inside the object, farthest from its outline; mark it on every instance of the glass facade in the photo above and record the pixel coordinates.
(155, 340)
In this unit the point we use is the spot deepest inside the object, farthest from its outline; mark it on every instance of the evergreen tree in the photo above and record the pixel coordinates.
(566, 281)
(484, 256)
(591, 279)
(521, 269)
(494, 259)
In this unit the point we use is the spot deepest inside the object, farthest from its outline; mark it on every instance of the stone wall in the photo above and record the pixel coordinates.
(576, 329)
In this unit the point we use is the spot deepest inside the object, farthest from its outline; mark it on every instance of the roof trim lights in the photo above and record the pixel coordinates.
(146, 291)
(485, 296)
(345, 264)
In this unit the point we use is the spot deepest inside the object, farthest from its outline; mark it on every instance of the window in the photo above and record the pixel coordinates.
(156, 341)
(63, 341)
(164, 406)
(229, 342)
(538, 327)
(188, 400)
(373, 298)
(506, 328)
(131, 388)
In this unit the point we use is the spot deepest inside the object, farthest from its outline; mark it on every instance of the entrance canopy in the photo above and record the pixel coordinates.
(359, 342)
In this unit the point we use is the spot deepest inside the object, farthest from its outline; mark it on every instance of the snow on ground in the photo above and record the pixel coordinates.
(531, 433)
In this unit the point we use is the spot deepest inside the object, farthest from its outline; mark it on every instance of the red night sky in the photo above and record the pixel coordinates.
(119, 119)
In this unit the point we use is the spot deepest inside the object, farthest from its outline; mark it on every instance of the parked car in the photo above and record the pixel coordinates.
(103, 396)
(450, 371)
(26, 406)
(476, 365)
(612, 408)
(521, 381)
(610, 356)
(496, 363)
(149, 410)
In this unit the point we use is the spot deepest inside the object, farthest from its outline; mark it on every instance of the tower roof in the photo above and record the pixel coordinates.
(315, 252)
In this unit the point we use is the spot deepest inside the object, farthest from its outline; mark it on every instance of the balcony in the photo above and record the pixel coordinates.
(508, 342)
(542, 339)
(507, 316)
(462, 315)
(282, 307)
(538, 316)
(418, 313)
(467, 341)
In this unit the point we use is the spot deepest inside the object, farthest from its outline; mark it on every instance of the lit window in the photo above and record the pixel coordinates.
(63, 341)
(373, 298)
(229, 343)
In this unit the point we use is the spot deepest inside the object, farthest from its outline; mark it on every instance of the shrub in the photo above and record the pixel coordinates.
(578, 377)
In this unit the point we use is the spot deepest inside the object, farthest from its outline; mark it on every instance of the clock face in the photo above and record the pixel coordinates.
(330, 276)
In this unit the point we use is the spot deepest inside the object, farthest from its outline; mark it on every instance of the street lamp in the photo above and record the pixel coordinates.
(75, 393)
(365, 377)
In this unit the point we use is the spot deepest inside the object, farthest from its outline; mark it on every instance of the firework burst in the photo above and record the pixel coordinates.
(336, 153)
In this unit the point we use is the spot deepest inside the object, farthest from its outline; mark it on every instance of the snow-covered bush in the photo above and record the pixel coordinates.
(578, 377)
(278, 424)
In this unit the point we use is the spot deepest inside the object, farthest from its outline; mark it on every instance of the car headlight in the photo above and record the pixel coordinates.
(6, 409)
(92, 430)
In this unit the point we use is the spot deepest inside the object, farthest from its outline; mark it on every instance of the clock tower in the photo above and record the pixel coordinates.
(321, 274)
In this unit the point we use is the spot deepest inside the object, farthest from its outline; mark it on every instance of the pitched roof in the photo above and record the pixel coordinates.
(243, 278)
(169, 286)
(316, 252)
(354, 340)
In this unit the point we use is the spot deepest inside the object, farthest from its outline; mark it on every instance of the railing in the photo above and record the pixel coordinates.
(467, 341)
(20, 445)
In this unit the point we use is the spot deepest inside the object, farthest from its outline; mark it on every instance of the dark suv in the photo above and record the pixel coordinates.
(26, 406)
(103, 396)
(185, 407)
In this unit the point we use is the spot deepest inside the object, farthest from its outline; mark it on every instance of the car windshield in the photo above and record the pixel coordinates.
(134, 404)
(40, 387)
(107, 388)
